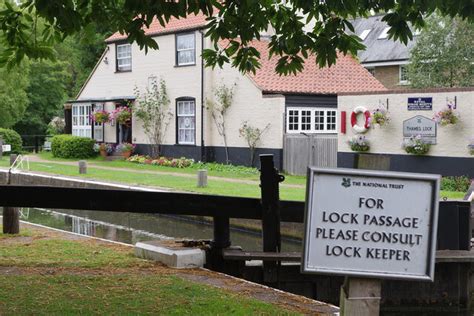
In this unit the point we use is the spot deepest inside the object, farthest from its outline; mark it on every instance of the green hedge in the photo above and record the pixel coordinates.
(68, 146)
(10, 137)
(457, 184)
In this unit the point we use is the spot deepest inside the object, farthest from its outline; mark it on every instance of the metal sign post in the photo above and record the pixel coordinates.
(370, 224)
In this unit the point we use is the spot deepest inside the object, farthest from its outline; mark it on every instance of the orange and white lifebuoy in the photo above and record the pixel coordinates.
(357, 128)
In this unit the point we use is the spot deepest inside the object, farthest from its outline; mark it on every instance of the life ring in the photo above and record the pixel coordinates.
(360, 129)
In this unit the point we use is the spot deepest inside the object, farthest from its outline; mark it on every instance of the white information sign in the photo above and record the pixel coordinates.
(6, 148)
(371, 223)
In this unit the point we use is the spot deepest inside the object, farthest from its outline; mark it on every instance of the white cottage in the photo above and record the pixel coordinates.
(296, 105)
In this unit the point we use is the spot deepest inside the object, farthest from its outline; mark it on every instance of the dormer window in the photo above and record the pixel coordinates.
(364, 34)
(124, 57)
(185, 49)
(384, 33)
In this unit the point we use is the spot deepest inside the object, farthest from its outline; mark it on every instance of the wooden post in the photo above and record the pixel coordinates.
(361, 296)
(269, 183)
(202, 178)
(11, 215)
(1, 148)
(13, 158)
(82, 167)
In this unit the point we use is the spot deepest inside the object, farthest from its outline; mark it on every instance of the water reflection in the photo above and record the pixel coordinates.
(132, 227)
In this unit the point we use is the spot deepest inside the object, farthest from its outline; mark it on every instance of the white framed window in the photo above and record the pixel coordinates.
(403, 74)
(185, 49)
(124, 57)
(311, 120)
(186, 122)
(98, 127)
(81, 121)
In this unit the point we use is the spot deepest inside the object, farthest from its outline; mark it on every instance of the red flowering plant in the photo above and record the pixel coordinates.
(100, 116)
(122, 114)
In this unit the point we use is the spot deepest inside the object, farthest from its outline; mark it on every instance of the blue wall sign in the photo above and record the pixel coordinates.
(420, 104)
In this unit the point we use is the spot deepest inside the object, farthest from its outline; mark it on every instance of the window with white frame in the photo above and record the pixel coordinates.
(186, 122)
(403, 74)
(81, 121)
(124, 57)
(185, 49)
(98, 127)
(311, 120)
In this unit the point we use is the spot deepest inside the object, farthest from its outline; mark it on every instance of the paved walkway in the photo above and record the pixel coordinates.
(35, 158)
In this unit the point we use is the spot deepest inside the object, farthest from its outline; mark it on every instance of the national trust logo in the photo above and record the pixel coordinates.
(346, 182)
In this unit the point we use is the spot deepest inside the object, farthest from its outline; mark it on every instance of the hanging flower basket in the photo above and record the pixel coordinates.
(470, 147)
(379, 117)
(100, 116)
(359, 143)
(448, 116)
(415, 145)
(122, 114)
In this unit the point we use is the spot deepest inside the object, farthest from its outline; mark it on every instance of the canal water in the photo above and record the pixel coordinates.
(132, 227)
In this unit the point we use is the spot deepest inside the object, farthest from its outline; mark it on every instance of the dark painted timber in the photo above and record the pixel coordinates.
(142, 202)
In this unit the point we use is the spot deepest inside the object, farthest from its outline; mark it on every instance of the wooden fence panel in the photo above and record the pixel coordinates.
(301, 151)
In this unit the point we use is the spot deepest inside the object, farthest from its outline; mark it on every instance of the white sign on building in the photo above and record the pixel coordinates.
(371, 223)
(420, 126)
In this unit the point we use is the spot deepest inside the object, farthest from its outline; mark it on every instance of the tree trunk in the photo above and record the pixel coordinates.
(11, 220)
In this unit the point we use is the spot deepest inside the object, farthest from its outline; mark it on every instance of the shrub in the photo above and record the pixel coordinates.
(458, 184)
(68, 146)
(10, 137)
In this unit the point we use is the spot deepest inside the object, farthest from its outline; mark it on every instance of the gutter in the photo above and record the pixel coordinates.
(203, 149)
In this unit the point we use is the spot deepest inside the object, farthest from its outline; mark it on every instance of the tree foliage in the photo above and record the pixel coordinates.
(252, 136)
(13, 96)
(224, 97)
(152, 108)
(46, 94)
(443, 55)
(227, 20)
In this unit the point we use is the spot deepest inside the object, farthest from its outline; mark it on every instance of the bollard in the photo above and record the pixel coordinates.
(11, 215)
(202, 178)
(13, 158)
(82, 167)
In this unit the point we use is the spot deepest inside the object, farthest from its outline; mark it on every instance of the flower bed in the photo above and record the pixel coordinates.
(162, 161)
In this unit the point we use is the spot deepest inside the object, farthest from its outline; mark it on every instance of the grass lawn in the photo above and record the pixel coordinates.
(55, 276)
(179, 183)
(234, 173)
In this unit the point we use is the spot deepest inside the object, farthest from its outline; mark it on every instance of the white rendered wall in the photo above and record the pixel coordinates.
(180, 81)
(249, 104)
(451, 140)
